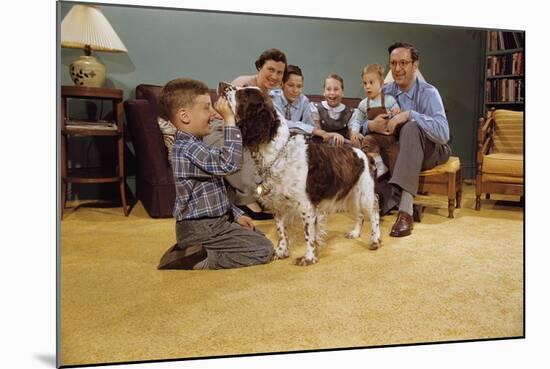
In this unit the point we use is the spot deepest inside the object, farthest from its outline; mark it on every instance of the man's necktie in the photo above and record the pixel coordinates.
(287, 112)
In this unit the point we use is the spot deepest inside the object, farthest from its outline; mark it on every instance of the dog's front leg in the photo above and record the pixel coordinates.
(281, 250)
(310, 219)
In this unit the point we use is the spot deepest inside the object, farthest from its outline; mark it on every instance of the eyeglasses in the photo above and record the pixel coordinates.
(402, 63)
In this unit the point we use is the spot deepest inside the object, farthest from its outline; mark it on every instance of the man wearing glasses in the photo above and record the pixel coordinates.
(422, 130)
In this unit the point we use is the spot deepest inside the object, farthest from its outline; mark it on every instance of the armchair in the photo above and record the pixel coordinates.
(500, 154)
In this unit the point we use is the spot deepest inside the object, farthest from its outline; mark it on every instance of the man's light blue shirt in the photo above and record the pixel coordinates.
(300, 116)
(426, 107)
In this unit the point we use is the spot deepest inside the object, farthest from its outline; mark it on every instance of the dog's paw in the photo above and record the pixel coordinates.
(353, 234)
(280, 253)
(305, 262)
(375, 245)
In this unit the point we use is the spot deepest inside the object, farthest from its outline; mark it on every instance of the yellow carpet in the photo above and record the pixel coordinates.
(453, 279)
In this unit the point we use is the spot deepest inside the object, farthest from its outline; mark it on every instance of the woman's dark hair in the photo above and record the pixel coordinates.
(270, 54)
(292, 69)
(415, 54)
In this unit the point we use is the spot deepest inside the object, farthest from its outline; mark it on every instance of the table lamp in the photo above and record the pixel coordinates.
(85, 27)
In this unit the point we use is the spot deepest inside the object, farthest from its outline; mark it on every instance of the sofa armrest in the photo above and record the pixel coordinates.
(151, 153)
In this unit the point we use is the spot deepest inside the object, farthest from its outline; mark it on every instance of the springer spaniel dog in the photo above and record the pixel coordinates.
(302, 177)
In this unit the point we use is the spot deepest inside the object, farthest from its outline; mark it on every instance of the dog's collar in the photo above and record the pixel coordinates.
(265, 170)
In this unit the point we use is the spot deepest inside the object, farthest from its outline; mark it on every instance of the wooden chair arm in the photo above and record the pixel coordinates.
(488, 125)
(487, 146)
(485, 135)
(484, 138)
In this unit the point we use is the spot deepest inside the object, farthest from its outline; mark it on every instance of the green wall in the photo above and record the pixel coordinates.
(164, 44)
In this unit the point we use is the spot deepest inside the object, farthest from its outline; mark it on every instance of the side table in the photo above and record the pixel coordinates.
(113, 129)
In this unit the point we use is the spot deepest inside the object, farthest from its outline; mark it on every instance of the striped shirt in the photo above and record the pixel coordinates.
(198, 174)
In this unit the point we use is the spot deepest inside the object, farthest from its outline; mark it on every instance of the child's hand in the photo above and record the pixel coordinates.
(356, 138)
(395, 111)
(246, 222)
(222, 107)
(168, 140)
(336, 137)
(379, 124)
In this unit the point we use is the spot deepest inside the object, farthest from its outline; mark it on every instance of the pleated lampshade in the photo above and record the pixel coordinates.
(85, 27)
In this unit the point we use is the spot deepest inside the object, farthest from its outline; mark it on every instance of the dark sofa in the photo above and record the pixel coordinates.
(154, 180)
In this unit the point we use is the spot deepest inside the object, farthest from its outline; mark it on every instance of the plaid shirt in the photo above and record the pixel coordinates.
(198, 171)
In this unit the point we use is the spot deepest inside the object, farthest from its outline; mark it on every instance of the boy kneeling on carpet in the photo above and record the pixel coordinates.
(211, 233)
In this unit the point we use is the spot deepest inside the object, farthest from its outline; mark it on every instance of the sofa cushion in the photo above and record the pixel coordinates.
(503, 164)
(451, 166)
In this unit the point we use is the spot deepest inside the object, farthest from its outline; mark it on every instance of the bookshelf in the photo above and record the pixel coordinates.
(504, 71)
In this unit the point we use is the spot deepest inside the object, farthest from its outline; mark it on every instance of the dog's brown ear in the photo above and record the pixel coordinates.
(258, 120)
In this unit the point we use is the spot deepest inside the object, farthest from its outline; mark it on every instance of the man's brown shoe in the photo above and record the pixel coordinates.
(402, 226)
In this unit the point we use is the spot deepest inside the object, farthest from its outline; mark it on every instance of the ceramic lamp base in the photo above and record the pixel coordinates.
(87, 71)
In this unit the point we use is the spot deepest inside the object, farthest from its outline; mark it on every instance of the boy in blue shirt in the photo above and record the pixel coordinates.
(211, 233)
(291, 103)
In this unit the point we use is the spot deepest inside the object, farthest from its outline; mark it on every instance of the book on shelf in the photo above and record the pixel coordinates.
(504, 90)
(500, 40)
(509, 64)
(521, 90)
(519, 38)
(91, 124)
